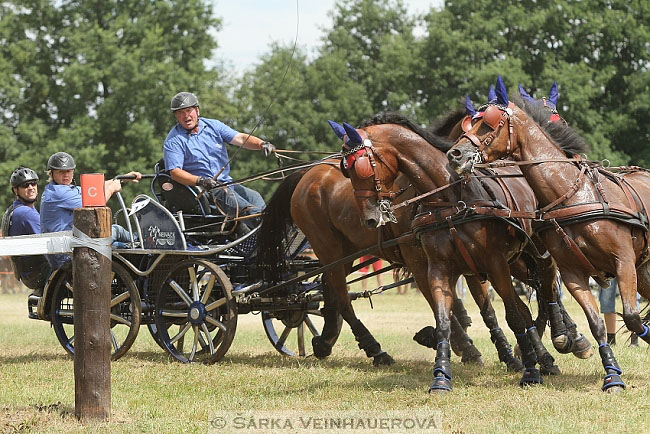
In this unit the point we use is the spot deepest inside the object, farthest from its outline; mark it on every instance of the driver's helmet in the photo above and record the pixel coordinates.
(184, 100)
(61, 161)
(22, 175)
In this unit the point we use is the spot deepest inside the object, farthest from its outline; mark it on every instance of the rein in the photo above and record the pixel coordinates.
(429, 193)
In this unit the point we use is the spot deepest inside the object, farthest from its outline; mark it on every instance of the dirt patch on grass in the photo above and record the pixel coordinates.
(30, 419)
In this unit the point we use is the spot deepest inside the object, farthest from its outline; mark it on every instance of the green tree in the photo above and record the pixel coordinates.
(363, 67)
(596, 50)
(94, 78)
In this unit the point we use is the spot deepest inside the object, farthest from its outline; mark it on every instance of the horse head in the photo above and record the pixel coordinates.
(371, 175)
(490, 136)
(491, 133)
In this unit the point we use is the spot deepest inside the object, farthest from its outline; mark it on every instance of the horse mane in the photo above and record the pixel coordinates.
(433, 139)
(444, 124)
(563, 135)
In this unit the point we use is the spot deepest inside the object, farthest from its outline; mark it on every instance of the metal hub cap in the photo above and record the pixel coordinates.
(197, 313)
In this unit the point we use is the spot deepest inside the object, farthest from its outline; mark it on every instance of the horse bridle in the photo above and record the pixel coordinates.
(495, 116)
(363, 158)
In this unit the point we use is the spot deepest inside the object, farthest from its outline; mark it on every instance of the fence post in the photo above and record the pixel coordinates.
(91, 276)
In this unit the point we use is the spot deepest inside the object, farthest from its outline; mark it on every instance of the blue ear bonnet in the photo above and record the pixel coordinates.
(501, 92)
(551, 101)
(338, 129)
(469, 107)
(492, 95)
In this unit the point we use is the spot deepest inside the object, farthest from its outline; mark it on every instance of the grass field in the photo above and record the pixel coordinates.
(150, 393)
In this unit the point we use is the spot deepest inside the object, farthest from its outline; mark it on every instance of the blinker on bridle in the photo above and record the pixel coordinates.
(363, 160)
(494, 116)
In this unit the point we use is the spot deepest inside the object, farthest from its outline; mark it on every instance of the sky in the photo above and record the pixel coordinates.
(250, 26)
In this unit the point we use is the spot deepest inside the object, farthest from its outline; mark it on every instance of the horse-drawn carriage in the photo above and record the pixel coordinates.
(186, 275)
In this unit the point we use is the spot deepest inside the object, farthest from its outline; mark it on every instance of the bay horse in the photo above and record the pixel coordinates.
(320, 202)
(390, 145)
(592, 220)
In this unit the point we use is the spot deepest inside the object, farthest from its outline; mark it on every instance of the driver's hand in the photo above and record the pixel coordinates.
(268, 148)
(207, 183)
(137, 176)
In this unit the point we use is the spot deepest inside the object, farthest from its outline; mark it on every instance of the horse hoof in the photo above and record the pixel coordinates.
(547, 365)
(472, 356)
(513, 364)
(383, 359)
(441, 384)
(426, 337)
(582, 348)
(321, 348)
(562, 344)
(614, 390)
(613, 384)
(531, 376)
(549, 370)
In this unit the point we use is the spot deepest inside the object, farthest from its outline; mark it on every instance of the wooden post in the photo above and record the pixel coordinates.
(91, 277)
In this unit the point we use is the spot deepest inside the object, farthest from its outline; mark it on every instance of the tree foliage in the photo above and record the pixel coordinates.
(95, 78)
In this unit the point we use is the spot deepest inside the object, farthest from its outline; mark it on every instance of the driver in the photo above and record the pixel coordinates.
(22, 218)
(195, 153)
(61, 197)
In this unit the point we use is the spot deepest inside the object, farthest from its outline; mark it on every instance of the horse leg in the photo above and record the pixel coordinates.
(546, 361)
(500, 278)
(459, 311)
(322, 345)
(581, 346)
(366, 341)
(578, 286)
(440, 287)
(627, 286)
(498, 338)
(461, 344)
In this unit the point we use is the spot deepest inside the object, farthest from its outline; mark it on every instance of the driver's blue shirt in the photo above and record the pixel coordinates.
(202, 153)
(57, 203)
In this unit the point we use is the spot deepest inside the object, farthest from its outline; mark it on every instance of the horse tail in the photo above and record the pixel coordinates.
(272, 236)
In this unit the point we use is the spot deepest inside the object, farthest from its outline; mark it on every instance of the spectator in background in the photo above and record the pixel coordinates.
(607, 299)
(364, 270)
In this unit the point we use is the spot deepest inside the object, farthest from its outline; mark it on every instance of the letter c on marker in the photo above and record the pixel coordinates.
(92, 191)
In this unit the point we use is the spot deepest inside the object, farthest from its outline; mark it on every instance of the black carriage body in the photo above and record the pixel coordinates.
(189, 269)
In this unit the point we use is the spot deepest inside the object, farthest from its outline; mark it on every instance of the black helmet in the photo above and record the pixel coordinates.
(61, 161)
(184, 100)
(22, 175)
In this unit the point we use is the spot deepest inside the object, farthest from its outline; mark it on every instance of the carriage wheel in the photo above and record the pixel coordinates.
(291, 332)
(124, 317)
(196, 296)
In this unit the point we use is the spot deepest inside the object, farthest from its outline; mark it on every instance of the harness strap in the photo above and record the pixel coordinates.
(461, 247)
(423, 195)
(598, 276)
(575, 210)
(568, 194)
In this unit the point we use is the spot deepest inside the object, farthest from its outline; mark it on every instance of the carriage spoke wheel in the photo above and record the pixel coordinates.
(196, 315)
(124, 316)
(291, 332)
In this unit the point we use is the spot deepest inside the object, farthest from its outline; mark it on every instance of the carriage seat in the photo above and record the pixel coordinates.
(178, 197)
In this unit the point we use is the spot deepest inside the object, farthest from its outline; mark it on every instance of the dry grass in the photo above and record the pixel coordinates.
(150, 393)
